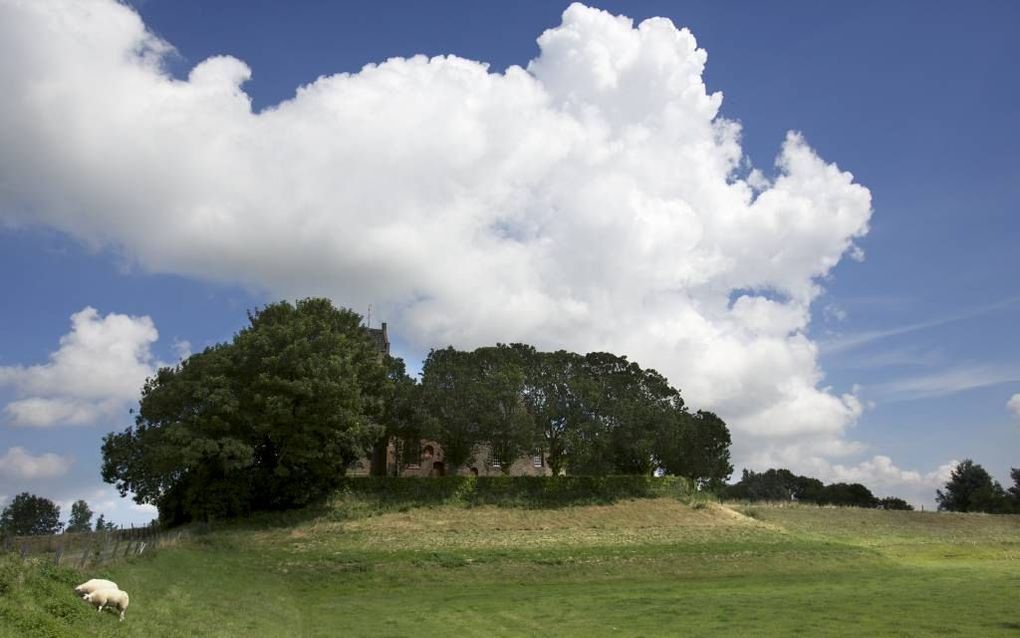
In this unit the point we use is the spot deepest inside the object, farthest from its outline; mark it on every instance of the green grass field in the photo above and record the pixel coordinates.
(654, 567)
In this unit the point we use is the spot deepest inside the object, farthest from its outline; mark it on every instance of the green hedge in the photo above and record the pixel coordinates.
(515, 490)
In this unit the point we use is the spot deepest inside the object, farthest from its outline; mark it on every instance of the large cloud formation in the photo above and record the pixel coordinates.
(593, 200)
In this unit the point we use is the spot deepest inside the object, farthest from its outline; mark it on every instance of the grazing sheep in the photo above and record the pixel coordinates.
(109, 598)
(94, 585)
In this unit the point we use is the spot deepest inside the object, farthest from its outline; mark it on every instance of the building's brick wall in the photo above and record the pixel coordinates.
(433, 464)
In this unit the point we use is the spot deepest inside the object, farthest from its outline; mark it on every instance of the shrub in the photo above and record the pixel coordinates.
(529, 491)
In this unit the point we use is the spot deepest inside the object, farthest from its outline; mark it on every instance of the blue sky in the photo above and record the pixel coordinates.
(908, 355)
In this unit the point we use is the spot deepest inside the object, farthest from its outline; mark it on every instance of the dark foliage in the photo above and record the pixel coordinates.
(104, 525)
(971, 489)
(593, 415)
(80, 519)
(893, 503)
(784, 485)
(527, 491)
(1014, 491)
(30, 515)
(268, 421)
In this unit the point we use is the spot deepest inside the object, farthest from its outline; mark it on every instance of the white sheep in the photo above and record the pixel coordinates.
(109, 598)
(94, 585)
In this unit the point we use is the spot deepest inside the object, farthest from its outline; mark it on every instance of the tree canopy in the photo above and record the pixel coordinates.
(971, 488)
(268, 421)
(81, 518)
(272, 419)
(104, 525)
(1014, 491)
(593, 414)
(30, 515)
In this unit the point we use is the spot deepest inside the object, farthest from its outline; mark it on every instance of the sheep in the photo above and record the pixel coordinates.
(109, 598)
(94, 585)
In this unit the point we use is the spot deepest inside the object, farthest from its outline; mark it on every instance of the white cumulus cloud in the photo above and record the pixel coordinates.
(98, 369)
(592, 199)
(1013, 405)
(19, 464)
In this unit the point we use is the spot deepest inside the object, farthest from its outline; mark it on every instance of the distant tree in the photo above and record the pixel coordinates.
(268, 421)
(971, 489)
(848, 494)
(893, 503)
(807, 489)
(103, 525)
(81, 518)
(770, 485)
(1014, 490)
(784, 485)
(30, 515)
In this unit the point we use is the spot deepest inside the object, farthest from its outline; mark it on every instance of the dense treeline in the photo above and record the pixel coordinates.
(272, 419)
(784, 485)
(594, 414)
(970, 488)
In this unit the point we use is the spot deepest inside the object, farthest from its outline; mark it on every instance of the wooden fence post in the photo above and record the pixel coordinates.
(86, 549)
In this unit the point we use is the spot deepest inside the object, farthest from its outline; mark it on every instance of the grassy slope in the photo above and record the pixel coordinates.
(649, 567)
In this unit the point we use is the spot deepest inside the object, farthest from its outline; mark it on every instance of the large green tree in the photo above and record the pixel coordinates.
(450, 388)
(80, 519)
(696, 446)
(30, 515)
(621, 406)
(595, 414)
(552, 396)
(971, 488)
(505, 422)
(268, 421)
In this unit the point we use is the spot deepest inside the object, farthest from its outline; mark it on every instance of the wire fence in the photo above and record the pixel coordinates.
(89, 549)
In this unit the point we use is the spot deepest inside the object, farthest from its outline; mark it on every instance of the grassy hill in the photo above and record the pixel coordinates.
(645, 567)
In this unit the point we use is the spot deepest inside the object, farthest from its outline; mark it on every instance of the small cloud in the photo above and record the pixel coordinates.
(182, 348)
(757, 180)
(144, 508)
(947, 382)
(99, 367)
(849, 342)
(19, 464)
(1013, 405)
(833, 313)
(856, 253)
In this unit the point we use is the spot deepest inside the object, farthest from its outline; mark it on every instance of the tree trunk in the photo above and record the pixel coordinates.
(378, 463)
